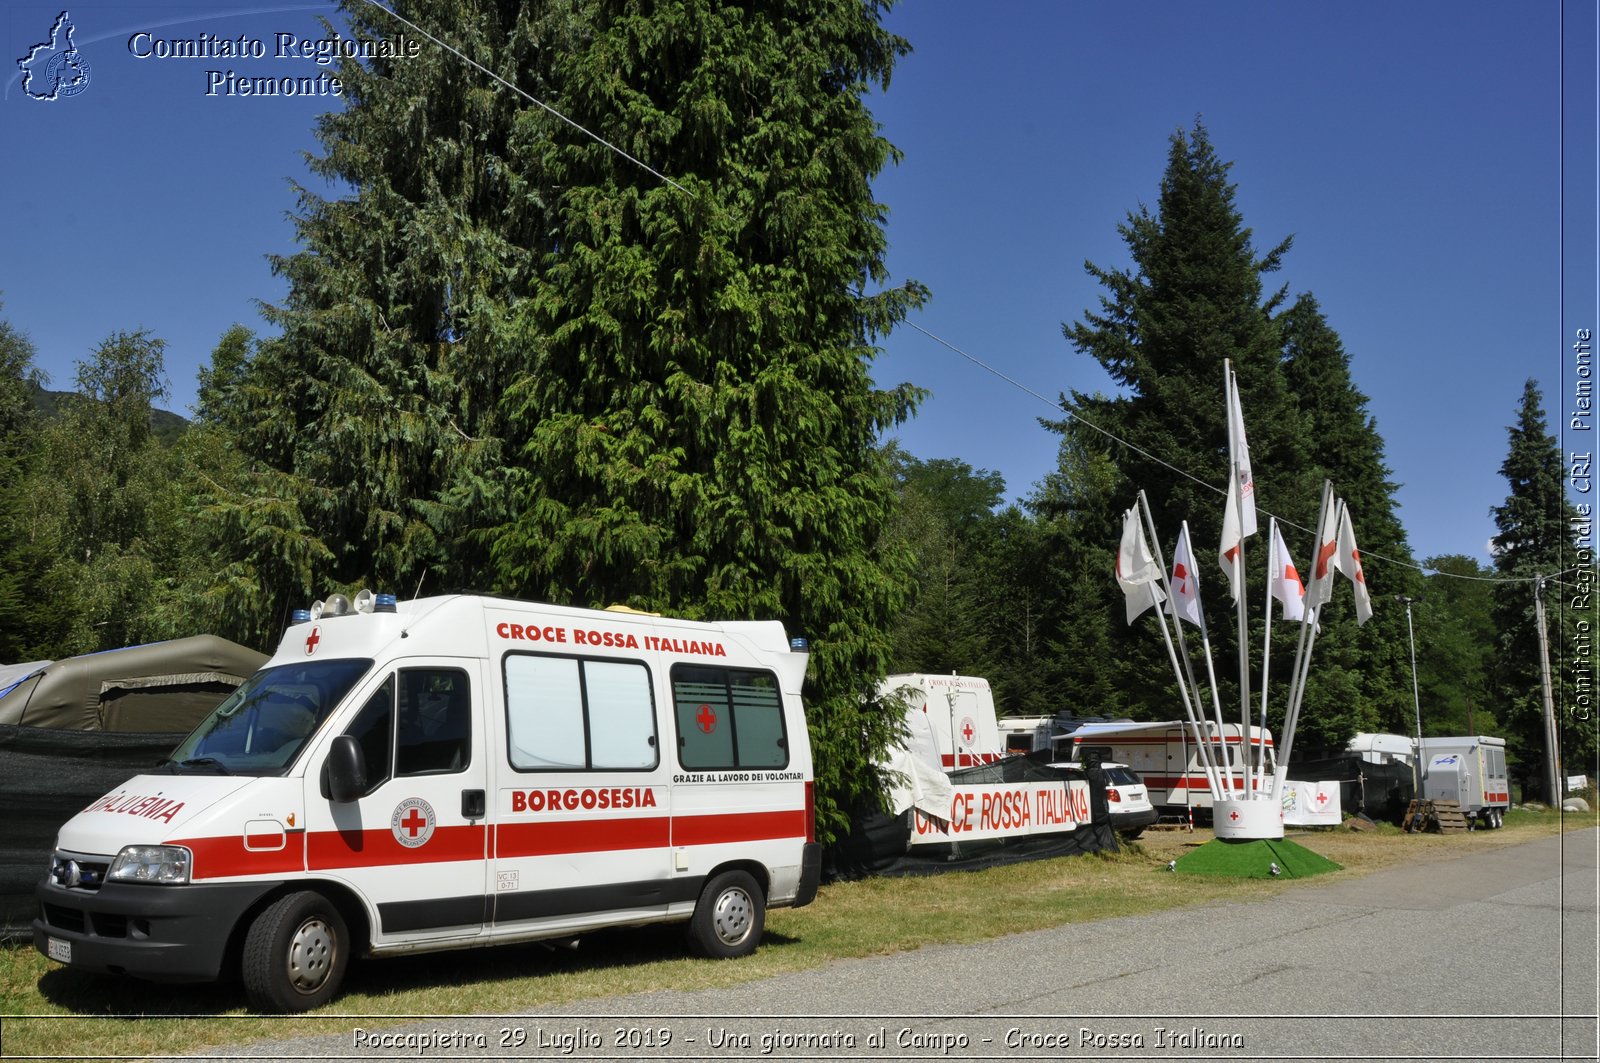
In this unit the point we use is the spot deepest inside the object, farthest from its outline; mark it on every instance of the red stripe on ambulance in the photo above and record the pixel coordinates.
(554, 837)
(738, 827)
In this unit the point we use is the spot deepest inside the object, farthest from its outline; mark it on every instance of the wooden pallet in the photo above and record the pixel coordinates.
(1439, 817)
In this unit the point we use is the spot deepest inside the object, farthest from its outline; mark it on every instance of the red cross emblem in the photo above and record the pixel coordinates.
(966, 731)
(412, 823)
(1234, 816)
(706, 720)
(312, 640)
(1322, 798)
(1181, 574)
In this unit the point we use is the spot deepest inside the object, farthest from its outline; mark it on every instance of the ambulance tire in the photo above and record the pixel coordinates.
(729, 918)
(295, 954)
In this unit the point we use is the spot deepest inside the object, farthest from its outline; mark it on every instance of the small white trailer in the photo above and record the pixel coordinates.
(1470, 770)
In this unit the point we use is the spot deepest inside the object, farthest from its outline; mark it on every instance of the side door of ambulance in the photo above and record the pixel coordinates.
(414, 845)
(582, 803)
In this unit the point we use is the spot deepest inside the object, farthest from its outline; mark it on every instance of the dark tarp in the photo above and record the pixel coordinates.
(1377, 791)
(87, 725)
(46, 778)
(161, 687)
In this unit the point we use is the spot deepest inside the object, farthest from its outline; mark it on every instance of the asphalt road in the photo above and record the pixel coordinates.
(1486, 956)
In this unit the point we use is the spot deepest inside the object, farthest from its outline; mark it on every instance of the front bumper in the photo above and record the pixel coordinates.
(162, 933)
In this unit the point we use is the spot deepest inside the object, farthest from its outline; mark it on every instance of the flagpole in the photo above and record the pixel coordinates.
(1211, 672)
(1266, 638)
(1237, 485)
(1224, 773)
(1307, 640)
(1212, 778)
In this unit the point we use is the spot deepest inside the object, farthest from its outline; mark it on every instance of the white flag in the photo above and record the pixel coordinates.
(1350, 565)
(1239, 455)
(1327, 558)
(1228, 555)
(1136, 568)
(1286, 585)
(1185, 582)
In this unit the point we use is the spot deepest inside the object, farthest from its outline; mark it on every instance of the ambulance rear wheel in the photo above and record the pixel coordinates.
(729, 918)
(295, 954)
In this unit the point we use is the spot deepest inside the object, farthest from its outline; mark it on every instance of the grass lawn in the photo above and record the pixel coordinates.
(49, 1010)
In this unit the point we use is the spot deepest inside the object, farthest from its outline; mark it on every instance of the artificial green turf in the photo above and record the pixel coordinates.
(1253, 859)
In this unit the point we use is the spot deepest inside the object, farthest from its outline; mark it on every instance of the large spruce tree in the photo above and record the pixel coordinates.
(1192, 300)
(1194, 297)
(516, 360)
(695, 419)
(1535, 540)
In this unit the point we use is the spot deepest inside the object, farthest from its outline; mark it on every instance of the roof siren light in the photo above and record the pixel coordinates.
(363, 602)
(384, 603)
(799, 645)
(300, 616)
(336, 605)
(318, 607)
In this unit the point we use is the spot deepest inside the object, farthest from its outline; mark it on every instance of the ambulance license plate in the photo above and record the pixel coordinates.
(58, 949)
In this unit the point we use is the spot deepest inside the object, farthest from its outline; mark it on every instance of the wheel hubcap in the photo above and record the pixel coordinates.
(311, 952)
(732, 918)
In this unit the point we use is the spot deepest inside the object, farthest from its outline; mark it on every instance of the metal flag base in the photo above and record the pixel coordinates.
(1243, 820)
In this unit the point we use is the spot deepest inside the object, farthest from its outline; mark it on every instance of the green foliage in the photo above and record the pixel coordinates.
(695, 423)
(1343, 445)
(99, 525)
(945, 518)
(1455, 645)
(1193, 299)
(20, 561)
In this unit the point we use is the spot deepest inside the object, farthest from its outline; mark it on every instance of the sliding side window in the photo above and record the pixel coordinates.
(577, 714)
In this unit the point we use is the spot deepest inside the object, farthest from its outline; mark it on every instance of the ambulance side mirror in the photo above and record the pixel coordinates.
(345, 773)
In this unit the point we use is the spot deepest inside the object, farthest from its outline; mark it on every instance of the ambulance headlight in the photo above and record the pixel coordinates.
(161, 865)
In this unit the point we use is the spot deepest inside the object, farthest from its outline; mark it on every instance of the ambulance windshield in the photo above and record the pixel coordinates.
(262, 727)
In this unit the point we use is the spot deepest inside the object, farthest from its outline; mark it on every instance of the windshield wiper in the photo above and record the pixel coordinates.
(201, 762)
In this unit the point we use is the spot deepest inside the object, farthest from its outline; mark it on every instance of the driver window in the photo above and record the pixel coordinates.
(373, 729)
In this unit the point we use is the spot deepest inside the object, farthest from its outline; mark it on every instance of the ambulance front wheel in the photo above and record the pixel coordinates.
(729, 918)
(295, 954)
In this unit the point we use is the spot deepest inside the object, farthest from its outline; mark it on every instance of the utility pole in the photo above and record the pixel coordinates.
(1552, 749)
(1416, 698)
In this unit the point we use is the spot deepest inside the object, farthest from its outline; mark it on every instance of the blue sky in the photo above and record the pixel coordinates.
(1413, 150)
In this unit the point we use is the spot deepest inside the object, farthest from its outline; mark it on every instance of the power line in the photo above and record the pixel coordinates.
(1053, 404)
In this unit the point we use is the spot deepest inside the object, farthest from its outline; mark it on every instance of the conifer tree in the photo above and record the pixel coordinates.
(1192, 300)
(375, 416)
(697, 426)
(515, 360)
(1534, 539)
(1361, 678)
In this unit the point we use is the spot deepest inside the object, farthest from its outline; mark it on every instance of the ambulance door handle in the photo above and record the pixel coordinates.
(472, 804)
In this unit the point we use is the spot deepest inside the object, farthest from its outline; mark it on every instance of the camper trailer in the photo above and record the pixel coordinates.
(1471, 770)
(1167, 756)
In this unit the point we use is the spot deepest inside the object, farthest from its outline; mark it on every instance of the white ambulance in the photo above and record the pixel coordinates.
(450, 772)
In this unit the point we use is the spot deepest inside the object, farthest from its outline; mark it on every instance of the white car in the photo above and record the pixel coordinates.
(1126, 796)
